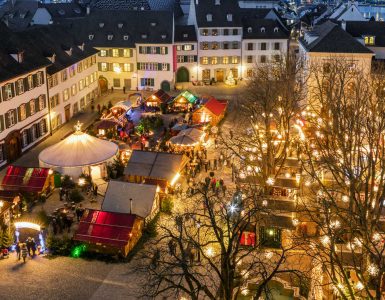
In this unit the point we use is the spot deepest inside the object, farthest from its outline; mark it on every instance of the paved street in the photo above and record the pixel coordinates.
(66, 278)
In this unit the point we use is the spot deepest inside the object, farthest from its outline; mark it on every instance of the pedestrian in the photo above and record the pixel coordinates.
(28, 245)
(99, 108)
(79, 212)
(33, 247)
(54, 226)
(217, 186)
(18, 250)
(67, 192)
(231, 133)
(215, 164)
(69, 221)
(24, 251)
(124, 90)
(205, 162)
(61, 194)
(224, 188)
(112, 89)
(95, 190)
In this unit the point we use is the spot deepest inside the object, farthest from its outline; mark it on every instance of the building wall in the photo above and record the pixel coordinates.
(84, 84)
(23, 116)
(187, 59)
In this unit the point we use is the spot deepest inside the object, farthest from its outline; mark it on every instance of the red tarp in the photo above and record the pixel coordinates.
(25, 179)
(248, 238)
(105, 227)
(217, 107)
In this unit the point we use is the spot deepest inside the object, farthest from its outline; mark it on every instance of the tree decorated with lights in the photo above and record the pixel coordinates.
(344, 161)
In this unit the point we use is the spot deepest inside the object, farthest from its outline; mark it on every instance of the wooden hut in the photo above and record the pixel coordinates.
(157, 99)
(184, 101)
(211, 112)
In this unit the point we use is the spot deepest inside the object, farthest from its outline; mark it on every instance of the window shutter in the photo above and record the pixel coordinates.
(192, 47)
(131, 52)
(99, 66)
(132, 67)
(34, 79)
(27, 110)
(25, 82)
(29, 135)
(195, 58)
(160, 67)
(13, 90)
(140, 49)
(168, 67)
(42, 77)
(19, 113)
(109, 52)
(6, 120)
(166, 50)
(37, 127)
(37, 107)
(3, 92)
(138, 66)
(157, 50)
(15, 115)
(121, 52)
(1, 122)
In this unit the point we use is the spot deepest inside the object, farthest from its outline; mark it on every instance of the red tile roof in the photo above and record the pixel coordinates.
(107, 228)
(24, 179)
(217, 107)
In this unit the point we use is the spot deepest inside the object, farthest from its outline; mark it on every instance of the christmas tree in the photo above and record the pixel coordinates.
(230, 79)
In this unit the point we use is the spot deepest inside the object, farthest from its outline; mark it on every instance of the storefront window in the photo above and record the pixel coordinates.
(270, 237)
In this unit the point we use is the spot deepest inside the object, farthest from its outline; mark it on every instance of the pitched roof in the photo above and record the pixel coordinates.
(25, 179)
(185, 33)
(218, 12)
(120, 4)
(264, 29)
(64, 10)
(331, 38)
(105, 227)
(118, 194)
(360, 29)
(125, 29)
(161, 95)
(217, 107)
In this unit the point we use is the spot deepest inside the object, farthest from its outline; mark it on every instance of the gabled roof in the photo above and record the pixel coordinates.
(161, 95)
(60, 11)
(185, 33)
(218, 12)
(359, 29)
(331, 38)
(107, 228)
(23, 179)
(121, 4)
(264, 29)
(217, 107)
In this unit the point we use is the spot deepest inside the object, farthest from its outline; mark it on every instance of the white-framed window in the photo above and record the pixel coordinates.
(103, 67)
(235, 59)
(191, 58)
(11, 117)
(24, 138)
(205, 60)
(163, 50)
(103, 52)
(39, 77)
(225, 60)
(126, 52)
(115, 52)
(72, 70)
(187, 47)
(64, 75)
(8, 91)
(42, 103)
(66, 95)
(43, 127)
(30, 82)
(73, 90)
(165, 67)
(147, 81)
(127, 67)
(214, 60)
(32, 106)
(23, 112)
(87, 80)
(81, 84)
(20, 86)
(54, 101)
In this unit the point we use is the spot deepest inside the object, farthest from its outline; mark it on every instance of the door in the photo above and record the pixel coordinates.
(103, 84)
(182, 75)
(13, 146)
(219, 75)
(127, 84)
(96, 172)
(165, 86)
(67, 112)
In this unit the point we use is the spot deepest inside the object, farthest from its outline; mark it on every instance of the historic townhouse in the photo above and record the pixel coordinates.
(23, 97)
(71, 75)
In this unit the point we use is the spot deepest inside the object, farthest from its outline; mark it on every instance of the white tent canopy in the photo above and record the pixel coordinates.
(126, 105)
(187, 137)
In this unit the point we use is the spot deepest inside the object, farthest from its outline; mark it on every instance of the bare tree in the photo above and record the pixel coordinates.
(343, 157)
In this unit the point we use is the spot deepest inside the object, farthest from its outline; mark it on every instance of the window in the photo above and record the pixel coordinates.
(71, 70)
(103, 52)
(64, 75)
(75, 108)
(126, 53)
(277, 58)
(250, 73)
(32, 107)
(81, 84)
(66, 95)
(110, 37)
(30, 82)
(2, 156)
(73, 90)
(147, 81)
(39, 78)
(206, 74)
(225, 60)
(205, 32)
(178, 47)
(235, 59)
(24, 138)
(205, 60)
(369, 40)
(209, 17)
(187, 47)
(263, 29)
(225, 31)
(277, 46)
(116, 67)
(262, 59)
(127, 67)
(8, 91)
(87, 80)
(23, 112)
(163, 50)
(116, 82)
(214, 60)
(165, 67)
(180, 59)
(80, 67)
(229, 17)
(249, 30)
(43, 127)
(11, 117)
(54, 100)
(214, 32)
(34, 132)
(225, 45)
(235, 31)
(250, 46)
(20, 86)
(205, 46)
(270, 237)
(42, 104)
(115, 52)
(191, 58)
(215, 46)
(263, 46)
(249, 59)
(103, 67)
(275, 29)
(235, 45)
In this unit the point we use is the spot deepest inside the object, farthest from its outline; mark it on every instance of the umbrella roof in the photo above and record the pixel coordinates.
(79, 149)
(187, 137)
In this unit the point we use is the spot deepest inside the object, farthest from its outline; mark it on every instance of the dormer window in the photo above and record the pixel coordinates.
(217, 2)
(52, 58)
(275, 29)
(81, 46)
(120, 25)
(229, 17)
(101, 25)
(125, 37)
(19, 56)
(142, 8)
(249, 30)
(263, 29)
(209, 17)
(163, 36)
(369, 40)
(90, 37)
(61, 12)
(185, 35)
(144, 36)
(110, 37)
(69, 51)
(153, 24)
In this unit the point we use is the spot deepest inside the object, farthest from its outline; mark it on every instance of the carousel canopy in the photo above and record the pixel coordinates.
(77, 150)
(126, 105)
(187, 137)
(186, 96)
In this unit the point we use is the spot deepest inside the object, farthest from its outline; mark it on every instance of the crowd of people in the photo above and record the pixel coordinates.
(28, 248)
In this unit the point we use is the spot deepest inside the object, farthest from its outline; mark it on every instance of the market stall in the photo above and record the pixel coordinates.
(80, 153)
(184, 101)
(190, 137)
(211, 112)
(157, 99)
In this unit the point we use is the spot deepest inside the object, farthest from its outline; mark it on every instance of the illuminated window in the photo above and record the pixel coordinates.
(115, 52)
(369, 40)
(234, 59)
(214, 60)
(103, 52)
(205, 60)
(225, 60)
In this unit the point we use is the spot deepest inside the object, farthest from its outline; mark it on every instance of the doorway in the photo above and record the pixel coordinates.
(165, 86)
(13, 146)
(182, 75)
(103, 84)
(67, 112)
(127, 84)
(96, 172)
(219, 75)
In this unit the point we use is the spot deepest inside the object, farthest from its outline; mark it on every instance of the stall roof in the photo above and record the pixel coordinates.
(217, 107)
(187, 137)
(8, 196)
(25, 179)
(188, 96)
(126, 105)
(161, 95)
(159, 165)
(117, 198)
(105, 227)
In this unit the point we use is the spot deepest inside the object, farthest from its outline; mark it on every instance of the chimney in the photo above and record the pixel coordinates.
(88, 10)
(343, 25)
(130, 205)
